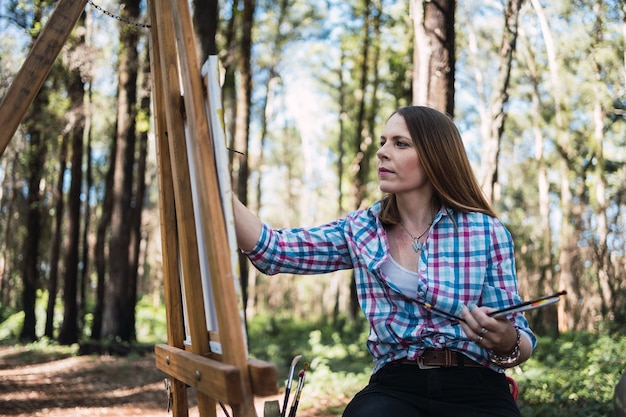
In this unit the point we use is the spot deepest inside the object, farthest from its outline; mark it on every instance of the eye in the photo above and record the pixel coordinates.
(382, 142)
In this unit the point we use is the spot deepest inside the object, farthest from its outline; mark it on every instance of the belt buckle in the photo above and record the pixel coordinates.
(422, 365)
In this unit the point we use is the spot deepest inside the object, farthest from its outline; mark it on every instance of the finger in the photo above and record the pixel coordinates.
(476, 325)
(471, 327)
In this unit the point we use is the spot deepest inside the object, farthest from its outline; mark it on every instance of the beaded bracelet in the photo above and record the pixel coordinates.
(511, 358)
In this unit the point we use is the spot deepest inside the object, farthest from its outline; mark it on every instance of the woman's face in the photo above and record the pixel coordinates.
(399, 168)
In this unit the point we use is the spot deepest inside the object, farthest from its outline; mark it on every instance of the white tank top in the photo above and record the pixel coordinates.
(400, 278)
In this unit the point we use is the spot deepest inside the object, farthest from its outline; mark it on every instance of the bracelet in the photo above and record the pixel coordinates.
(511, 358)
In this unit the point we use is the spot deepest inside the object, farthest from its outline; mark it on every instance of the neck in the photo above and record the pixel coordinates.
(416, 213)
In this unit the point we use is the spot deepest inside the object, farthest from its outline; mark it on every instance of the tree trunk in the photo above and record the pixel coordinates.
(140, 190)
(568, 257)
(362, 142)
(205, 19)
(229, 89)
(492, 125)
(35, 159)
(30, 251)
(602, 253)
(86, 253)
(267, 109)
(119, 308)
(76, 90)
(434, 54)
(544, 320)
(8, 245)
(568, 244)
(341, 139)
(242, 124)
(56, 240)
(100, 249)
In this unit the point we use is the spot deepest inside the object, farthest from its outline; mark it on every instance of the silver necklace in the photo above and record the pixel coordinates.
(417, 245)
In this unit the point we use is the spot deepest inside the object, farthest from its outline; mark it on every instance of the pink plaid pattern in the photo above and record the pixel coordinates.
(468, 259)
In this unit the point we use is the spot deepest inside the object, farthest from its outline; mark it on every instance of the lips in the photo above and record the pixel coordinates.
(384, 171)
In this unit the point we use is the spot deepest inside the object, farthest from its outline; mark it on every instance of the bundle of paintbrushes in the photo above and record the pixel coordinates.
(296, 396)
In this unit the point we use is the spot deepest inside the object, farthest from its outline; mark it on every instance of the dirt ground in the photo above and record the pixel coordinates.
(90, 386)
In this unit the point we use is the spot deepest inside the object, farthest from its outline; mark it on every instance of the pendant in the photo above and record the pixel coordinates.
(417, 245)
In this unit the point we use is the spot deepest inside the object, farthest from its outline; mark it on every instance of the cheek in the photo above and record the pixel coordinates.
(412, 166)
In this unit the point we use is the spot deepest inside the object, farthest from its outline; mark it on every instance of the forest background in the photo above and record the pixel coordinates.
(536, 88)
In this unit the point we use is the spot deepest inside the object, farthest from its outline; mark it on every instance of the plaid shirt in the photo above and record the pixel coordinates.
(471, 262)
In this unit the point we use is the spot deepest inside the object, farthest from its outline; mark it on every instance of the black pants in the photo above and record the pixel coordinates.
(401, 390)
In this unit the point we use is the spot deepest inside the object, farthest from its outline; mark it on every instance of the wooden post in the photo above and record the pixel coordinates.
(35, 69)
(169, 233)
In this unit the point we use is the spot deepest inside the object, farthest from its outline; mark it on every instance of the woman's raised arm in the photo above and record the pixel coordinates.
(247, 225)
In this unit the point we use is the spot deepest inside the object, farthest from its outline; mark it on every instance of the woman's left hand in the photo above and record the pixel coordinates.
(497, 335)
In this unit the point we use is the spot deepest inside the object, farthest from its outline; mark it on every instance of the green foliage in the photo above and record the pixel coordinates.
(150, 321)
(339, 362)
(574, 375)
(11, 327)
(337, 347)
(42, 351)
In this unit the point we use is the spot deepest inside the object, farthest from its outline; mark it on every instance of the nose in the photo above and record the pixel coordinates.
(381, 153)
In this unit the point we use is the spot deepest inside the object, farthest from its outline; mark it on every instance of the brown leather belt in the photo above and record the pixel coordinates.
(445, 358)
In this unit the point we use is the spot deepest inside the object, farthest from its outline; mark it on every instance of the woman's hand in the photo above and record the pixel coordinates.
(495, 334)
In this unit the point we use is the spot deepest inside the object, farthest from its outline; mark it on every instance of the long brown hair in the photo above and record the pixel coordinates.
(442, 154)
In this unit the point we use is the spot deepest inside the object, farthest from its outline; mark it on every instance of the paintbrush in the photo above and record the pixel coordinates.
(431, 307)
(289, 382)
(296, 397)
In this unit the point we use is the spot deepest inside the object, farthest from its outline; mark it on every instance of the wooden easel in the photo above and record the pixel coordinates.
(231, 378)
(226, 375)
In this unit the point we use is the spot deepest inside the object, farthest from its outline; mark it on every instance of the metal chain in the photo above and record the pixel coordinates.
(114, 16)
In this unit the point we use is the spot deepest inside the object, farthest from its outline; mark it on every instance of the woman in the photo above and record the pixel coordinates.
(431, 260)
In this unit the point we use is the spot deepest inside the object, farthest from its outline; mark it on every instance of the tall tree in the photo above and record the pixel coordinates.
(433, 54)
(242, 119)
(102, 233)
(10, 202)
(36, 133)
(205, 20)
(135, 225)
(56, 244)
(545, 321)
(492, 125)
(76, 115)
(362, 143)
(119, 307)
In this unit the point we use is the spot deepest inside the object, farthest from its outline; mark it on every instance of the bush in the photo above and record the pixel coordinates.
(574, 375)
(339, 362)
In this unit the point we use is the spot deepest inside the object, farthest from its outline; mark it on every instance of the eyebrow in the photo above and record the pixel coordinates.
(396, 137)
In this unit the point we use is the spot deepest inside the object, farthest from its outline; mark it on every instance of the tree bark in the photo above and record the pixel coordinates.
(55, 251)
(119, 308)
(100, 249)
(205, 19)
(242, 123)
(37, 151)
(76, 90)
(8, 245)
(492, 125)
(140, 191)
(434, 54)
(36, 157)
